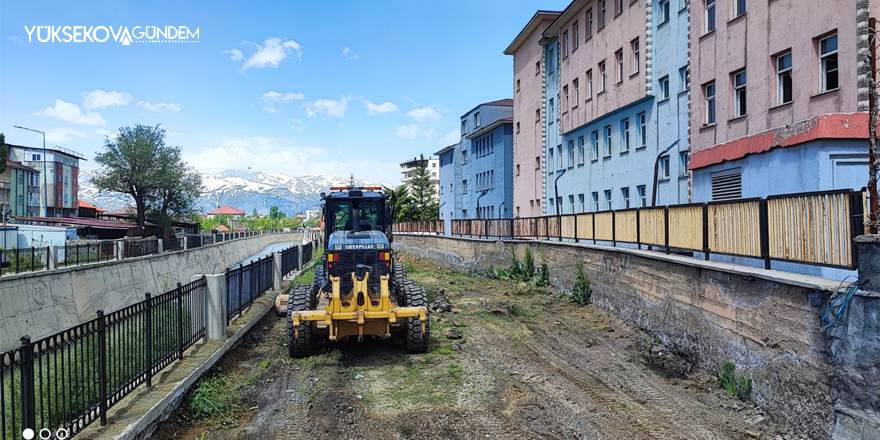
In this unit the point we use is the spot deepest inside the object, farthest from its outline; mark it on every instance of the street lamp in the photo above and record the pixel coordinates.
(485, 191)
(499, 208)
(45, 185)
(557, 203)
(656, 164)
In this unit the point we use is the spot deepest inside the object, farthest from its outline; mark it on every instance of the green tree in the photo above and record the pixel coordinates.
(401, 203)
(134, 163)
(423, 192)
(178, 189)
(255, 214)
(4, 153)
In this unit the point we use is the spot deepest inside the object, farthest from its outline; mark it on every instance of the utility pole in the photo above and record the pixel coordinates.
(871, 219)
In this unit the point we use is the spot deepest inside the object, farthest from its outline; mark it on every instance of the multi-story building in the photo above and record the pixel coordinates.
(616, 99)
(408, 169)
(61, 180)
(446, 193)
(780, 97)
(528, 115)
(20, 190)
(483, 174)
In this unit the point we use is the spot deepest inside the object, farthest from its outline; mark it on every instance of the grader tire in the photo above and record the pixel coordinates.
(319, 283)
(299, 301)
(414, 296)
(399, 277)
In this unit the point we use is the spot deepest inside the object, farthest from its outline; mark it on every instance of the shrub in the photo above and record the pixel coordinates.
(581, 292)
(734, 386)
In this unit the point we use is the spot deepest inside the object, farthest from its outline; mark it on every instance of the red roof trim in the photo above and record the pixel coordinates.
(828, 126)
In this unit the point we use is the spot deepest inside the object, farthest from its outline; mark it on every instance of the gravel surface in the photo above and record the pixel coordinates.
(506, 361)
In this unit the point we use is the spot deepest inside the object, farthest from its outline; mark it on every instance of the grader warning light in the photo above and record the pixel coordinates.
(359, 290)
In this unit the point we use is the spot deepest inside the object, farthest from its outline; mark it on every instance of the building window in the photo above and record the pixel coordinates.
(739, 8)
(684, 78)
(580, 150)
(463, 127)
(624, 194)
(607, 140)
(552, 112)
(664, 167)
(537, 162)
(619, 7)
(559, 160)
(571, 202)
(537, 115)
(783, 79)
(664, 87)
(739, 94)
(663, 11)
(595, 201)
(624, 135)
(565, 94)
(517, 169)
(634, 44)
(590, 84)
(581, 202)
(709, 93)
(476, 119)
(575, 34)
(564, 44)
(643, 197)
(550, 63)
(684, 159)
(537, 68)
(594, 146)
(727, 184)
(608, 199)
(601, 14)
(589, 23)
(710, 16)
(517, 128)
(684, 4)
(517, 86)
(602, 76)
(577, 91)
(464, 188)
(464, 157)
(559, 204)
(551, 160)
(828, 79)
(570, 154)
(643, 129)
(619, 57)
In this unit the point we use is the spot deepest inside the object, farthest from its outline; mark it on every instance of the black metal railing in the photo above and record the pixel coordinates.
(139, 248)
(172, 244)
(23, 260)
(289, 260)
(308, 252)
(246, 283)
(66, 381)
(86, 253)
(193, 241)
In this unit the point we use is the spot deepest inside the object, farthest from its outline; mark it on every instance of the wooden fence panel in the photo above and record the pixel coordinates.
(568, 226)
(525, 227)
(625, 227)
(735, 228)
(652, 226)
(553, 226)
(686, 227)
(585, 226)
(542, 227)
(604, 226)
(812, 228)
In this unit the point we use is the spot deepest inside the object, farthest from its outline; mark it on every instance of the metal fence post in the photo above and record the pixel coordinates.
(179, 323)
(765, 232)
(594, 228)
(102, 366)
(149, 340)
(28, 399)
(705, 231)
(613, 229)
(576, 239)
(666, 228)
(857, 225)
(638, 228)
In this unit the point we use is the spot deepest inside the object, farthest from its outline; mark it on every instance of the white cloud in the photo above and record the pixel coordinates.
(453, 137)
(63, 134)
(410, 131)
(275, 155)
(424, 114)
(69, 112)
(329, 107)
(297, 125)
(378, 109)
(234, 54)
(17, 40)
(271, 99)
(349, 55)
(269, 54)
(160, 106)
(409, 100)
(101, 98)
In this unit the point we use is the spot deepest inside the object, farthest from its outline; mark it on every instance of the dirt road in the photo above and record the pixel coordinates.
(528, 365)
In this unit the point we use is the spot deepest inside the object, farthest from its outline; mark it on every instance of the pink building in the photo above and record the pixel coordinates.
(778, 104)
(528, 115)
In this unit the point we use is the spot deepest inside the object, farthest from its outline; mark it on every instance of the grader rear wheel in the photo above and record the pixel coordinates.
(414, 295)
(300, 345)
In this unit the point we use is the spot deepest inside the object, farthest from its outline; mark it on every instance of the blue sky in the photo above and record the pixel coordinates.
(294, 87)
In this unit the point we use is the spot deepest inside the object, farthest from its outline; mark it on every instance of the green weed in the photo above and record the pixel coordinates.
(735, 386)
(215, 397)
(581, 292)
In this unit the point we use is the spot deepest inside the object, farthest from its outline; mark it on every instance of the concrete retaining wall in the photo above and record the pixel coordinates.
(766, 322)
(41, 303)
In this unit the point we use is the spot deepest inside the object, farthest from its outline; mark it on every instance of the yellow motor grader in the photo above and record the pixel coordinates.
(359, 288)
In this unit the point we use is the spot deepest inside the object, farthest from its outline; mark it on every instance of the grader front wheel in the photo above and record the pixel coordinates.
(414, 296)
(299, 338)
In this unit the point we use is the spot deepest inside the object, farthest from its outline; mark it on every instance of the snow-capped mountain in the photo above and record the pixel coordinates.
(241, 189)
